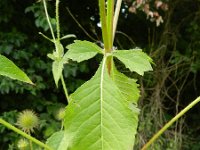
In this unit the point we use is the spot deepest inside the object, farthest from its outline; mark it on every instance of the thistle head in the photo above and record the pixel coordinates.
(22, 144)
(27, 121)
(60, 114)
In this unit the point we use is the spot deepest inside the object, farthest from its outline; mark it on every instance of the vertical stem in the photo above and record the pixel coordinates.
(110, 13)
(30, 142)
(193, 103)
(8, 125)
(31, 145)
(109, 19)
(117, 10)
(48, 20)
(64, 88)
(102, 10)
(57, 20)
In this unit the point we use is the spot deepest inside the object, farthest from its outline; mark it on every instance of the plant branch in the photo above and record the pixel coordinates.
(57, 20)
(116, 16)
(80, 26)
(64, 88)
(8, 125)
(48, 20)
(45, 37)
(167, 125)
(127, 36)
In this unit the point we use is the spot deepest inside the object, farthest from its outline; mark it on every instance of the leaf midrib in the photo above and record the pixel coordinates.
(101, 99)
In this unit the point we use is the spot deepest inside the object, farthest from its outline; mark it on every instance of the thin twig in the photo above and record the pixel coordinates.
(80, 26)
(48, 20)
(167, 125)
(127, 36)
(46, 37)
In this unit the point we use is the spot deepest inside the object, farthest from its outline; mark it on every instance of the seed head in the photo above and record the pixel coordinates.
(27, 121)
(22, 144)
(60, 114)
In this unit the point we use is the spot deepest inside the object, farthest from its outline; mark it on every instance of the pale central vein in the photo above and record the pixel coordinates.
(101, 97)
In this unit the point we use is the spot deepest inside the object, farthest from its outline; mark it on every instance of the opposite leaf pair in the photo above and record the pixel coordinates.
(102, 113)
(134, 59)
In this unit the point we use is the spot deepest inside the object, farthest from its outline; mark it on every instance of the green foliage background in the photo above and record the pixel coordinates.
(174, 47)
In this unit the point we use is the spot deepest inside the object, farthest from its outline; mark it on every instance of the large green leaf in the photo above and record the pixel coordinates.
(99, 117)
(9, 69)
(82, 50)
(127, 86)
(59, 141)
(135, 60)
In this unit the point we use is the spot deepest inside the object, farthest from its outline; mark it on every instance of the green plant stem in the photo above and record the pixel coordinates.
(57, 20)
(167, 125)
(8, 125)
(46, 37)
(116, 16)
(48, 20)
(102, 11)
(64, 88)
(31, 145)
(110, 13)
(30, 142)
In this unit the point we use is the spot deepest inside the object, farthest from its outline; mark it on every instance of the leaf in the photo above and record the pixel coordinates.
(57, 68)
(82, 50)
(59, 141)
(99, 117)
(59, 49)
(68, 36)
(9, 69)
(127, 86)
(135, 60)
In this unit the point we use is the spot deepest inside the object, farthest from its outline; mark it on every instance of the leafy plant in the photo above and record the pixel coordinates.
(104, 109)
(100, 114)
(101, 104)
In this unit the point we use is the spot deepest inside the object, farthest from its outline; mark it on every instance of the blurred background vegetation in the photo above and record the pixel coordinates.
(174, 46)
